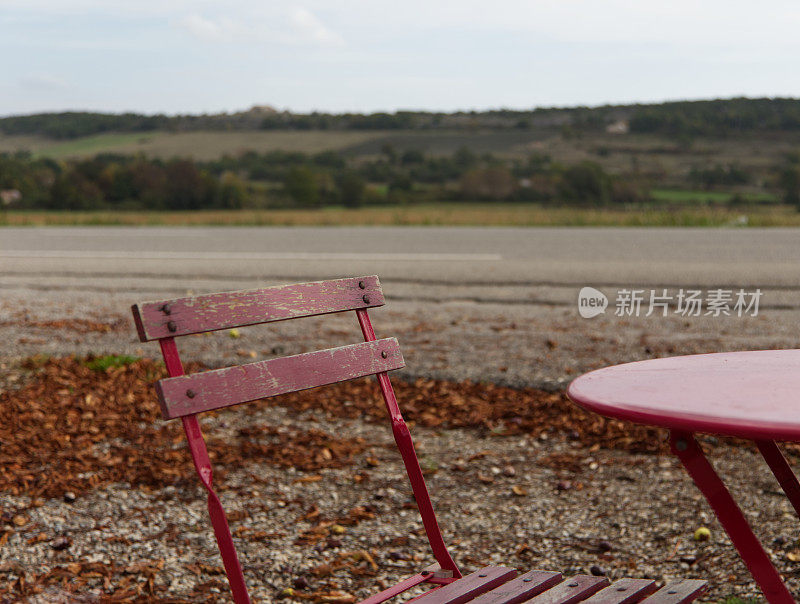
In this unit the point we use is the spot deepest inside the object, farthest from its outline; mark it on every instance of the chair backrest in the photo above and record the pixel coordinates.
(184, 396)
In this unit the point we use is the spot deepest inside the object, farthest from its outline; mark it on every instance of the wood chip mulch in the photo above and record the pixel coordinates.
(69, 429)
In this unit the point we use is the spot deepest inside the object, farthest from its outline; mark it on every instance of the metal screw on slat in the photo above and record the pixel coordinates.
(425, 572)
(574, 584)
(384, 354)
(166, 309)
(527, 579)
(681, 445)
(362, 285)
(482, 575)
(190, 393)
(171, 326)
(365, 297)
(672, 591)
(623, 588)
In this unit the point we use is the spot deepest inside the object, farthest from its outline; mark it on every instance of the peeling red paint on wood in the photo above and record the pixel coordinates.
(624, 591)
(520, 589)
(466, 588)
(198, 314)
(677, 592)
(189, 394)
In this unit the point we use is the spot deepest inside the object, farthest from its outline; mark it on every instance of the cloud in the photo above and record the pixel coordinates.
(43, 81)
(210, 30)
(296, 26)
(309, 28)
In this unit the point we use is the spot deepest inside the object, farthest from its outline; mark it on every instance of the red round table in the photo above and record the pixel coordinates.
(753, 395)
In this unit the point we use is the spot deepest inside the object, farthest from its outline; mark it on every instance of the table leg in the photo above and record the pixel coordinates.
(782, 471)
(730, 516)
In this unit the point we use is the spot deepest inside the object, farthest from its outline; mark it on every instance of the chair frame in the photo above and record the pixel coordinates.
(163, 321)
(185, 396)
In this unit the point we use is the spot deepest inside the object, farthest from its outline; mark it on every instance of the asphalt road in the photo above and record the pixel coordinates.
(484, 256)
(496, 304)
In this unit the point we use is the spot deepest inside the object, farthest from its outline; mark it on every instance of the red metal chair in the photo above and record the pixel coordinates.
(184, 396)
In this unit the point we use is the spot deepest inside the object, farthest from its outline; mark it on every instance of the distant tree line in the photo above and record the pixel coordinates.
(719, 118)
(725, 117)
(117, 182)
(286, 179)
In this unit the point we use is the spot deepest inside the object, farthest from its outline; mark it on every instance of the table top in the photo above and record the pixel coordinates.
(754, 395)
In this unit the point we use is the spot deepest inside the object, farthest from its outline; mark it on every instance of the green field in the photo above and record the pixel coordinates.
(198, 145)
(468, 214)
(617, 154)
(682, 196)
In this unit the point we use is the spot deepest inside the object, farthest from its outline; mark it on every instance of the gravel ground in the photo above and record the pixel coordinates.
(623, 514)
(642, 509)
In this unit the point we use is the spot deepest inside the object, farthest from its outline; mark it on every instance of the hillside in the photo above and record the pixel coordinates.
(720, 117)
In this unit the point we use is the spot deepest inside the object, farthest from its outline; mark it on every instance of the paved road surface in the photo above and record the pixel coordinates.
(482, 303)
(479, 255)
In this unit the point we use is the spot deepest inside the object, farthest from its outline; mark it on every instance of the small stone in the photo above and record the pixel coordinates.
(509, 471)
(338, 529)
(333, 542)
(485, 479)
(563, 485)
(70, 497)
(604, 546)
(396, 556)
(300, 582)
(19, 520)
(61, 543)
(597, 571)
(779, 541)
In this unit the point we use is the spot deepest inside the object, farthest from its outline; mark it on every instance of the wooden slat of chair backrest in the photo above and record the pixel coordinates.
(211, 312)
(190, 394)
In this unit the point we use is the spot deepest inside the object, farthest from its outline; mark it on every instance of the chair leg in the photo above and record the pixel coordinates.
(406, 447)
(730, 516)
(782, 471)
(197, 448)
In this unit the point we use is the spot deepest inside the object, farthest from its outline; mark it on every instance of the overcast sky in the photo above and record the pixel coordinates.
(196, 56)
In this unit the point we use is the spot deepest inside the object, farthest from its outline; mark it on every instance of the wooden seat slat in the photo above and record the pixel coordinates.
(571, 590)
(624, 591)
(210, 312)
(469, 586)
(677, 592)
(190, 394)
(520, 589)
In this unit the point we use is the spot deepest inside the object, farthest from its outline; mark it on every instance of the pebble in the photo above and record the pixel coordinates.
(61, 543)
(604, 546)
